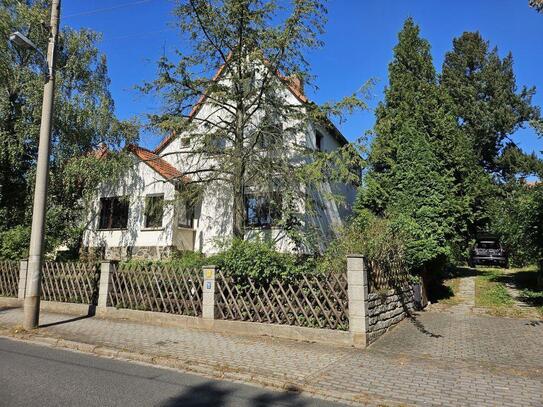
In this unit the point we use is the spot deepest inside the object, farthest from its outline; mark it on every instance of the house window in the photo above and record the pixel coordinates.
(262, 210)
(270, 133)
(215, 143)
(318, 141)
(154, 210)
(185, 215)
(114, 212)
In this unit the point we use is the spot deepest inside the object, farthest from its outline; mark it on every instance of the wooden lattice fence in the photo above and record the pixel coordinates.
(70, 282)
(157, 288)
(316, 301)
(9, 278)
(385, 277)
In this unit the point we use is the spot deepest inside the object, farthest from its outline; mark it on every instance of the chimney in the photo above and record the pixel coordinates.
(297, 84)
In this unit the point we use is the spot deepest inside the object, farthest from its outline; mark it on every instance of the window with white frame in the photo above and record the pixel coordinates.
(154, 211)
(263, 209)
(185, 214)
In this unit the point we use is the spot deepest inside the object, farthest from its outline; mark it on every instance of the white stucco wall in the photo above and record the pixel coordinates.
(140, 181)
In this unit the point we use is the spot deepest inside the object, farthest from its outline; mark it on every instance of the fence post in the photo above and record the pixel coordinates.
(107, 268)
(208, 298)
(357, 279)
(23, 267)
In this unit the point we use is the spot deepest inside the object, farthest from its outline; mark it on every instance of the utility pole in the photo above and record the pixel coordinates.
(35, 257)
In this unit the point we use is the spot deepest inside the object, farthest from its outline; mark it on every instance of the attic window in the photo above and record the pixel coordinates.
(318, 140)
(270, 133)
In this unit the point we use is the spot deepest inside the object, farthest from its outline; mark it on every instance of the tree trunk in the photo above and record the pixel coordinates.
(238, 210)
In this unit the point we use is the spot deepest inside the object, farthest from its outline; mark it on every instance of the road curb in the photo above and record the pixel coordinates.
(221, 372)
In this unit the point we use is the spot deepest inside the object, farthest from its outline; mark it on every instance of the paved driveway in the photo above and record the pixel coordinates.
(452, 336)
(450, 359)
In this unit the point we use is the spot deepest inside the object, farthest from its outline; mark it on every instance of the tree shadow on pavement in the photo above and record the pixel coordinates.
(407, 303)
(90, 314)
(214, 394)
(4, 309)
(437, 290)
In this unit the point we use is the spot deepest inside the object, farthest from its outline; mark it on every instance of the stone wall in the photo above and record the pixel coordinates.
(128, 252)
(386, 309)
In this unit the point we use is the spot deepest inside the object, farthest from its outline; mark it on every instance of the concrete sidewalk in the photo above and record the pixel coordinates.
(410, 366)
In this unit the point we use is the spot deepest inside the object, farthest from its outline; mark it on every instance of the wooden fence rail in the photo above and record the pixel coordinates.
(314, 300)
(9, 278)
(157, 288)
(382, 278)
(70, 282)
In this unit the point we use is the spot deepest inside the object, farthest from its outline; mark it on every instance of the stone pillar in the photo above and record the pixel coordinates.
(357, 291)
(208, 300)
(23, 267)
(107, 268)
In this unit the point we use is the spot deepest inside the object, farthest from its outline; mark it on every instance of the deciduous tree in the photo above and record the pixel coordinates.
(84, 117)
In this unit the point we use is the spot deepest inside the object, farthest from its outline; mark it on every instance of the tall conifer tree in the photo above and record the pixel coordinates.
(488, 108)
(409, 179)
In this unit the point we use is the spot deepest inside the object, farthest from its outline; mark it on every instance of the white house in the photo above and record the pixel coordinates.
(139, 217)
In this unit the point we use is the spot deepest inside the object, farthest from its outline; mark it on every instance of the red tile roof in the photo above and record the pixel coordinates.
(101, 152)
(168, 171)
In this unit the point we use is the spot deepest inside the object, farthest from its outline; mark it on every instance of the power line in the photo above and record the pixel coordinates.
(143, 35)
(105, 9)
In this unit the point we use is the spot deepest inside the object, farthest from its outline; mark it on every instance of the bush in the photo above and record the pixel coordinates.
(182, 260)
(517, 218)
(375, 237)
(14, 243)
(254, 259)
(260, 261)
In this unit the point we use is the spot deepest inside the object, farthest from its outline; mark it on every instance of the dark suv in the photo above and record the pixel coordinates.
(488, 250)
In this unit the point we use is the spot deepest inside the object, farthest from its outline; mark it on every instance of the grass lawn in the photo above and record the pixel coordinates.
(445, 294)
(491, 292)
(452, 286)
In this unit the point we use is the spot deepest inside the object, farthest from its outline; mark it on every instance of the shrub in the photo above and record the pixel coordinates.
(517, 217)
(260, 261)
(254, 259)
(377, 238)
(14, 243)
(181, 260)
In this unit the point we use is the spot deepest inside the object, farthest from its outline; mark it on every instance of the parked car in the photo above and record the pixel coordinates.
(489, 251)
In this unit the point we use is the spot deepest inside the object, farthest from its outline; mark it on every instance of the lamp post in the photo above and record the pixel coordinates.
(35, 256)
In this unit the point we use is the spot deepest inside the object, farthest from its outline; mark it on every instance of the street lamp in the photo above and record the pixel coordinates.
(35, 255)
(22, 41)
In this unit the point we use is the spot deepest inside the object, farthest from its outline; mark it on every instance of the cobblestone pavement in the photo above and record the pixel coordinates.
(466, 295)
(451, 359)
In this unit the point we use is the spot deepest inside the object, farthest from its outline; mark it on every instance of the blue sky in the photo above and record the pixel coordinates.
(358, 46)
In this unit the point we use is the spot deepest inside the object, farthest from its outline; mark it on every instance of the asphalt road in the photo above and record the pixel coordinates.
(32, 375)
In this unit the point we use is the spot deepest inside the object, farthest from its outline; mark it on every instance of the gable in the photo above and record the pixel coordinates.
(292, 84)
